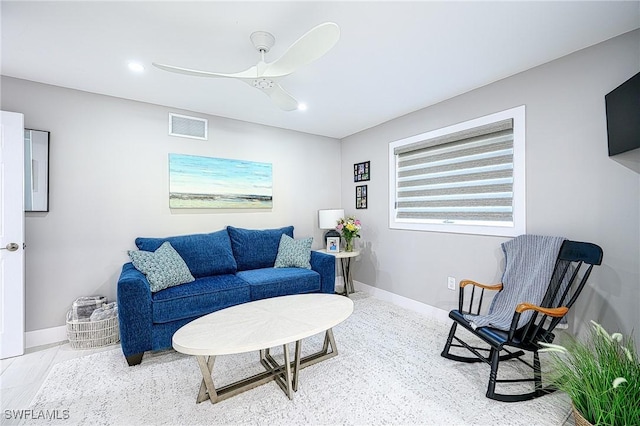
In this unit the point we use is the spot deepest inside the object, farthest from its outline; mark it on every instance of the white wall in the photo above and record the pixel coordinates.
(573, 188)
(109, 184)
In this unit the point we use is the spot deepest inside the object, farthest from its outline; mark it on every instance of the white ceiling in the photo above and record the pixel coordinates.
(392, 57)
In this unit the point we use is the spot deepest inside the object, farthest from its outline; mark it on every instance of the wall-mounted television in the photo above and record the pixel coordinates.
(623, 116)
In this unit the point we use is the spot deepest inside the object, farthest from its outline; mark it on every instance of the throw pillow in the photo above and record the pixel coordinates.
(256, 248)
(204, 254)
(294, 253)
(164, 267)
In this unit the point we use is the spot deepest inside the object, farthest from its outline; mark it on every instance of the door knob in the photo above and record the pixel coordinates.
(11, 247)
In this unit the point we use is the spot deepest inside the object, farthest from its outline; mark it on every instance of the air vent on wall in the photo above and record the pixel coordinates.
(187, 127)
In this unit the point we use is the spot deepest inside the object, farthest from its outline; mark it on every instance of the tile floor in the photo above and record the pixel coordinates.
(22, 376)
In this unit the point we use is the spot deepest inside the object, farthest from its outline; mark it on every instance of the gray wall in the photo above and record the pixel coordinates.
(573, 188)
(109, 184)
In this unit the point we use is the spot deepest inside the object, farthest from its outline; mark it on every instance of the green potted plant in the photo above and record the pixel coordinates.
(601, 375)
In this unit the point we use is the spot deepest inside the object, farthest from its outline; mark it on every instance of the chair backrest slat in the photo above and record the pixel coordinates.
(473, 292)
(550, 299)
(480, 302)
(580, 286)
(561, 301)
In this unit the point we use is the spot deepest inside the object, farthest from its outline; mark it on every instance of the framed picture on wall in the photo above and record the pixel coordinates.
(219, 183)
(361, 171)
(361, 197)
(333, 244)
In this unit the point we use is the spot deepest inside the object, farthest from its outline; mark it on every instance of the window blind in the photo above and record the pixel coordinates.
(465, 176)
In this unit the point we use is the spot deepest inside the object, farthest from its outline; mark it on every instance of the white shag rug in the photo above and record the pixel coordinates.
(388, 371)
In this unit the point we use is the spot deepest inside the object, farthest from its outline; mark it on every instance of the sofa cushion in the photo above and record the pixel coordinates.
(294, 253)
(204, 254)
(199, 297)
(255, 249)
(272, 282)
(163, 267)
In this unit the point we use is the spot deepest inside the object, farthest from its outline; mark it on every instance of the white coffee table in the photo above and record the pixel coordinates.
(259, 326)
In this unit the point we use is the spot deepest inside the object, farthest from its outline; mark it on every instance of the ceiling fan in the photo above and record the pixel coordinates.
(264, 75)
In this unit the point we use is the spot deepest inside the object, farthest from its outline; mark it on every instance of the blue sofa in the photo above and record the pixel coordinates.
(230, 267)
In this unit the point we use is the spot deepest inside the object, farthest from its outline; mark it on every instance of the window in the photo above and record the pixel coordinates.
(465, 178)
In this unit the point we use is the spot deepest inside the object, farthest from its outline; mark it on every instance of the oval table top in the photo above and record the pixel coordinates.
(262, 324)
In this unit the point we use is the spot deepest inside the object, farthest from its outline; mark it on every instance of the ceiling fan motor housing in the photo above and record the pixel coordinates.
(263, 83)
(262, 40)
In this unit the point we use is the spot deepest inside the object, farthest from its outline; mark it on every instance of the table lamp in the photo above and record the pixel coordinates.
(328, 219)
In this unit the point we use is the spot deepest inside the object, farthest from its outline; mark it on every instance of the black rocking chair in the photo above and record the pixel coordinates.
(572, 269)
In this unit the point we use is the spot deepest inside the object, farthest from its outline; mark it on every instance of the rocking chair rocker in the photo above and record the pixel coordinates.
(525, 311)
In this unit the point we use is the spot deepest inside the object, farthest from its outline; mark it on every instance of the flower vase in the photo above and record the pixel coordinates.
(348, 245)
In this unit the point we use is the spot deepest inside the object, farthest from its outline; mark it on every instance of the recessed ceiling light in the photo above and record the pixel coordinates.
(302, 107)
(136, 67)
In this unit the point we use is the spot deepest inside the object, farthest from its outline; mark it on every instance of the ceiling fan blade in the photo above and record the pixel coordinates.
(308, 48)
(280, 97)
(248, 73)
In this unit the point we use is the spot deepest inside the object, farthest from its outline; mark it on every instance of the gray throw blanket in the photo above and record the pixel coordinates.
(530, 260)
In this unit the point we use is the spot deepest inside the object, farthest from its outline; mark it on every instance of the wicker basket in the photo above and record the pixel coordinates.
(93, 334)
(579, 419)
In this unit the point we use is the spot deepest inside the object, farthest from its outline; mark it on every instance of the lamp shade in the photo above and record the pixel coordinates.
(328, 219)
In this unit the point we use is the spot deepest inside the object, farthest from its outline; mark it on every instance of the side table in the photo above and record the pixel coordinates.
(345, 263)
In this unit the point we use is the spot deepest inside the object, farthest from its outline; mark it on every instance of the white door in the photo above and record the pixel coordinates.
(11, 234)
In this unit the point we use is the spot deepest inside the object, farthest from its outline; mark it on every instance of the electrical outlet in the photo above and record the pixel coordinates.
(451, 283)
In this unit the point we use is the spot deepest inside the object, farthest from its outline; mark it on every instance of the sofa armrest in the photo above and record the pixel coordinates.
(134, 311)
(325, 265)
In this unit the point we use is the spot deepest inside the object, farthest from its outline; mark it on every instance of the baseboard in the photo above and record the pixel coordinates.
(45, 336)
(437, 314)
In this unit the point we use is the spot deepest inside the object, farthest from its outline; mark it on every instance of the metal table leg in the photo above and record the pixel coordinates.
(207, 389)
(345, 263)
(285, 374)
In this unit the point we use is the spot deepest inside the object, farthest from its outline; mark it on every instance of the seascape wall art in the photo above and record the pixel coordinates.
(218, 183)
